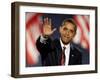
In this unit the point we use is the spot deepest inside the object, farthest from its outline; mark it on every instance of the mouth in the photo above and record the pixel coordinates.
(66, 37)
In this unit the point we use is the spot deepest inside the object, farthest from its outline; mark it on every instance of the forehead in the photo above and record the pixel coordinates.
(68, 25)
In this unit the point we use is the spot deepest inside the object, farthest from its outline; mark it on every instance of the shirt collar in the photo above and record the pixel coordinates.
(62, 45)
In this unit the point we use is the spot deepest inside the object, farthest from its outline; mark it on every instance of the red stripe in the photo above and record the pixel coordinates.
(32, 20)
(87, 24)
(78, 23)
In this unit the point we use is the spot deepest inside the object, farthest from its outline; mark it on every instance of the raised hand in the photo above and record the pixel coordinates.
(47, 27)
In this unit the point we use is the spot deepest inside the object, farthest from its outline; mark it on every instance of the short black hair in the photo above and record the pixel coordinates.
(70, 20)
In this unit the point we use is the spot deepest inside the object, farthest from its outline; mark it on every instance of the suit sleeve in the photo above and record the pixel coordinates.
(43, 47)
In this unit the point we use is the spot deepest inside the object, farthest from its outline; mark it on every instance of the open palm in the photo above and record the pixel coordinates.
(47, 28)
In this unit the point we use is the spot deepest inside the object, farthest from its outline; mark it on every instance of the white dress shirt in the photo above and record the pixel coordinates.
(67, 52)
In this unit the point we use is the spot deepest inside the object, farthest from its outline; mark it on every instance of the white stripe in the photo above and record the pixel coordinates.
(31, 48)
(35, 31)
(77, 37)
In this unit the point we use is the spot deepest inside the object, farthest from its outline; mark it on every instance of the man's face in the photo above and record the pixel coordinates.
(67, 32)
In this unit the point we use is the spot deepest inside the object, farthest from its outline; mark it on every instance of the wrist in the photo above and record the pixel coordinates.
(45, 36)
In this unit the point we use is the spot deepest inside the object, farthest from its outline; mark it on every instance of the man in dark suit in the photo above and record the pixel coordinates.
(62, 51)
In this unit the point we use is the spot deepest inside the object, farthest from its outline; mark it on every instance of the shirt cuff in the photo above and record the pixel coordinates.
(43, 39)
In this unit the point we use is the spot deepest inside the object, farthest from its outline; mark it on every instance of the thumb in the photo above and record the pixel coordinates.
(54, 30)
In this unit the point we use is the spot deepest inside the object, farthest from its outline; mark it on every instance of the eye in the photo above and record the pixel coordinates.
(71, 31)
(65, 29)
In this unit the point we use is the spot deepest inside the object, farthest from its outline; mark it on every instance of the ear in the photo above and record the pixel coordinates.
(60, 29)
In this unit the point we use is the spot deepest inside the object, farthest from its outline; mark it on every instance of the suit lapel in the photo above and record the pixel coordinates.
(72, 55)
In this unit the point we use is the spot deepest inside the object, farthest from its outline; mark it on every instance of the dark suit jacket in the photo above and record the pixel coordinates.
(51, 53)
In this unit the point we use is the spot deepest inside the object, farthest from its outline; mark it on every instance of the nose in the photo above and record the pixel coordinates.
(67, 32)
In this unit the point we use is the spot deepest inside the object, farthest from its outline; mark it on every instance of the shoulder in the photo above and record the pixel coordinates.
(75, 49)
(56, 41)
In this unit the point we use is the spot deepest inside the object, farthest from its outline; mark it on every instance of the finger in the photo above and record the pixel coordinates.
(50, 22)
(47, 20)
(44, 21)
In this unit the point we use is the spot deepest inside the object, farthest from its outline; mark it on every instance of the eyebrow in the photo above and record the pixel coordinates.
(67, 29)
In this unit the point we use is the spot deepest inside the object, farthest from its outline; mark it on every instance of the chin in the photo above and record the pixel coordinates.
(64, 42)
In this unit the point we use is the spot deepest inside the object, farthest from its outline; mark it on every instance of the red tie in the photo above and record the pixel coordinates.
(63, 56)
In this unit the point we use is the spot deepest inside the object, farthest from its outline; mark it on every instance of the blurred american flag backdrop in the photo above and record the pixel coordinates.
(34, 30)
(82, 36)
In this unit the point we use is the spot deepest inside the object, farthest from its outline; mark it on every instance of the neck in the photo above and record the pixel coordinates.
(64, 44)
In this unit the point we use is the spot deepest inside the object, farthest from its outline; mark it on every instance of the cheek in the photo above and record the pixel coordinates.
(72, 34)
(61, 33)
